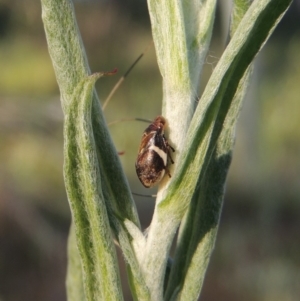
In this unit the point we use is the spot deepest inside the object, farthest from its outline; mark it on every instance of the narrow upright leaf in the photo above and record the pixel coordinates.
(206, 128)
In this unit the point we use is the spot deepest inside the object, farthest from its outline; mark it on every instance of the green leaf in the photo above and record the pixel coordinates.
(83, 184)
(198, 230)
(64, 45)
(205, 129)
(133, 252)
(181, 33)
(238, 11)
(216, 100)
(74, 283)
(98, 190)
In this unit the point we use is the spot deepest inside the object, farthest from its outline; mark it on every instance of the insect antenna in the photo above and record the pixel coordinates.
(145, 195)
(129, 119)
(122, 78)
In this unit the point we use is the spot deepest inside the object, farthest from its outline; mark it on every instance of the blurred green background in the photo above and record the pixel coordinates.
(257, 250)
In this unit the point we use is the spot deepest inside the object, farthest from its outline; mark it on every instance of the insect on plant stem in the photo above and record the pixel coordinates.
(154, 154)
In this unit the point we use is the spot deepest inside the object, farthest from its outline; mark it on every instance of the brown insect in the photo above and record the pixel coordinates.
(154, 154)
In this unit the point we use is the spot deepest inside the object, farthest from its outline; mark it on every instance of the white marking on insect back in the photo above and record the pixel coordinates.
(160, 152)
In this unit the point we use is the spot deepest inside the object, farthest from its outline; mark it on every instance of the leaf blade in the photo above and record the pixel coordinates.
(208, 120)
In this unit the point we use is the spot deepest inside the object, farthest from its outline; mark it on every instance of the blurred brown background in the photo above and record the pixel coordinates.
(257, 250)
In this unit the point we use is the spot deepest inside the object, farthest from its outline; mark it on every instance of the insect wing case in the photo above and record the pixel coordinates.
(153, 154)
